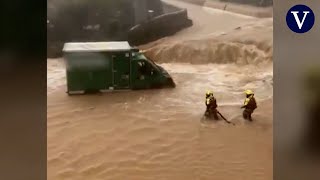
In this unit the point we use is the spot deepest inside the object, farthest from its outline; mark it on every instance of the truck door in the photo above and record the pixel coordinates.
(144, 76)
(121, 70)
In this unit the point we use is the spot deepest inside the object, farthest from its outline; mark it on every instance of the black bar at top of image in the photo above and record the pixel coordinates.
(23, 150)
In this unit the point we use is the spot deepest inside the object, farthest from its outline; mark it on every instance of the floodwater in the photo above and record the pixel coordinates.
(159, 134)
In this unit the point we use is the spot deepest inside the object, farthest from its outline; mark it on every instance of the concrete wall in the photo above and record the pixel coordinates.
(143, 6)
(161, 26)
(168, 8)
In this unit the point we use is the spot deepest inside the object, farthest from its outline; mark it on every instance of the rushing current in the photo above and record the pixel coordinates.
(159, 134)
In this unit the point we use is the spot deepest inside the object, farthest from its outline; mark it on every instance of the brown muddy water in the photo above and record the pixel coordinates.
(159, 134)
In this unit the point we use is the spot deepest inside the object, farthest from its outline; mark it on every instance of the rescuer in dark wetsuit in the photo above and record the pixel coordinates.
(211, 104)
(249, 104)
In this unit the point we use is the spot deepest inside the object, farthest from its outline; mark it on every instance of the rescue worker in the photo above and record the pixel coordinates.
(249, 105)
(211, 104)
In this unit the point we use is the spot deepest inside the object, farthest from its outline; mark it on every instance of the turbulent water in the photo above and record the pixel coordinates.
(159, 134)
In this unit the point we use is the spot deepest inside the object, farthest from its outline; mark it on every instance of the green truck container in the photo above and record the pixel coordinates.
(107, 66)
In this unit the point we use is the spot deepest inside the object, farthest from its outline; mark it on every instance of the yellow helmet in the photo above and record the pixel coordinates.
(209, 93)
(248, 92)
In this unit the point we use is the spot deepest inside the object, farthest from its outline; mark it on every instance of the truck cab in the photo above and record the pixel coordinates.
(105, 66)
(146, 74)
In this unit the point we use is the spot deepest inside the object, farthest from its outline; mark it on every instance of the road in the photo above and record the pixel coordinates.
(207, 20)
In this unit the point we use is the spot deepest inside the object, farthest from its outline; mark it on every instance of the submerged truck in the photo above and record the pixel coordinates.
(106, 66)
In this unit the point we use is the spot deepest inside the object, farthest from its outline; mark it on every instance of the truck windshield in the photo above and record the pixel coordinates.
(147, 68)
(139, 56)
(152, 64)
